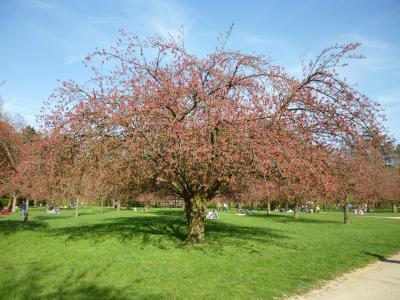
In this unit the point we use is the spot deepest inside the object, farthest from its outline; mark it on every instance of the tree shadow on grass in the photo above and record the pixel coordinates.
(51, 217)
(82, 284)
(11, 226)
(143, 229)
(170, 213)
(163, 229)
(382, 258)
(253, 239)
(290, 219)
(168, 229)
(84, 211)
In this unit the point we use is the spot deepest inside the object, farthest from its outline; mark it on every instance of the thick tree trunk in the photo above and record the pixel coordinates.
(118, 205)
(286, 206)
(296, 210)
(14, 203)
(394, 208)
(346, 214)
(268, 206)
(195, 215)
(34, 203)
(102, 205)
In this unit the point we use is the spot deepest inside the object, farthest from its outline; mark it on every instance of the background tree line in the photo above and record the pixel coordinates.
(157, 121)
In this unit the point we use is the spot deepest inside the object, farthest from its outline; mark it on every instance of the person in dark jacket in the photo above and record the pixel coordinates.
(23, 208)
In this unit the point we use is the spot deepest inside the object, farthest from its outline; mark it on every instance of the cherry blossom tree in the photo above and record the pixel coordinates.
(390, 180)
(357, 170)
(11, 154)
(193, 126)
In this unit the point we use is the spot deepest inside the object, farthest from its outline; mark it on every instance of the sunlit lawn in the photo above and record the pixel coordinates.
(141, 255)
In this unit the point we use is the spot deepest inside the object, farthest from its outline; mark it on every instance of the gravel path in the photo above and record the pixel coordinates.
(377, 281)
(396, 218)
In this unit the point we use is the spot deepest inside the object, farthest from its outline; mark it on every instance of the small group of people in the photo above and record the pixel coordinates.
(240, 212)
(361, 209)
(53, 209)
(5, 210)
(8, 209)
(212, 214)
(224, 207)
(144, 208)
(282, 209)
(75, 203)
(310, 209)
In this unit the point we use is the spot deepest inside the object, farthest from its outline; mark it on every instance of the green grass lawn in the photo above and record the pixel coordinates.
(140, 255)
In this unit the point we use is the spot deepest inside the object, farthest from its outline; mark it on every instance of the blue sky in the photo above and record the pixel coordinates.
(42, 41)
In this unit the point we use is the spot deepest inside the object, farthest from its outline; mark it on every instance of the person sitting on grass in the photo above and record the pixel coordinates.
(215, 214)
(53, 209)
(212, 215)
(6, 210)
(249, 211)
(358, 211)
(239, 213)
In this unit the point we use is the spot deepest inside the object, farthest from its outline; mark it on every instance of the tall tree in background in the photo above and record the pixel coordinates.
(12, 150)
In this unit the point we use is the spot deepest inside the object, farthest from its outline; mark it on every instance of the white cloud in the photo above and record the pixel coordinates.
(390, 99)
(368, 42)
(43, 4)
(27, 113)
(72, 59)
(163, 17)
(380, 54)
(12, 106)
(382, 64)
